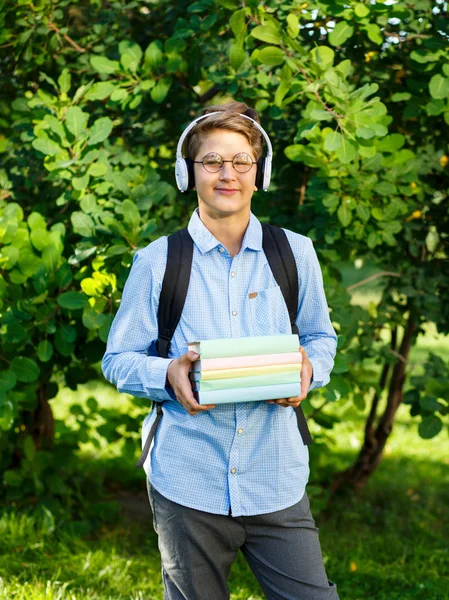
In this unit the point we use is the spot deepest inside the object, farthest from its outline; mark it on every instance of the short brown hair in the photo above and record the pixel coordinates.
(228, 119)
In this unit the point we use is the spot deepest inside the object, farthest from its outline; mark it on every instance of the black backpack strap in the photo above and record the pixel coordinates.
(171, 302)
(174, 288)
(283, 266)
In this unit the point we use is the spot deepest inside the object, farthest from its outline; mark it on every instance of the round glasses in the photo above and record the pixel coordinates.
(213, 162)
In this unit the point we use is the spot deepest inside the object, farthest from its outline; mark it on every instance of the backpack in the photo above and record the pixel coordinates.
(174, 291)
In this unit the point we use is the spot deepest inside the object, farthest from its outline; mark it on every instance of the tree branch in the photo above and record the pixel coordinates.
(371, 278)
(68, 39)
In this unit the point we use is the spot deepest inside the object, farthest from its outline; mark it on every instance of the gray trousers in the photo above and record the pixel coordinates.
(198, 548)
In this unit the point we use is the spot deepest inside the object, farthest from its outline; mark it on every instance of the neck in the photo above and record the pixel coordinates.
(229, 230)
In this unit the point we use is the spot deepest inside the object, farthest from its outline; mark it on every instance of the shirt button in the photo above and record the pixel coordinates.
(233, 470)
(221, 249)
(233, 274)
(239, 430)
(234, 313)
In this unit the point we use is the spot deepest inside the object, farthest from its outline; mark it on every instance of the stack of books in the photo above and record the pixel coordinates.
(246, 369)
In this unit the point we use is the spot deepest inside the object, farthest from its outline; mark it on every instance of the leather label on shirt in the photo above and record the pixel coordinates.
(253, 294)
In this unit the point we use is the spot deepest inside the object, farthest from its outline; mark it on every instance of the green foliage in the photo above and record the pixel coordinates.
(356, 101)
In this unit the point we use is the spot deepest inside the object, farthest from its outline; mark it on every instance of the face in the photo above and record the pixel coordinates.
(227, 192)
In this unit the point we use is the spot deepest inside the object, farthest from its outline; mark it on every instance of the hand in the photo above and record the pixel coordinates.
(306, 376)
(178, 378)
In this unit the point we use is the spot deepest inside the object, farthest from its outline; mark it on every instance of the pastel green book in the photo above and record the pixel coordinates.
(247, 346)
(244, 382)
(253, 394)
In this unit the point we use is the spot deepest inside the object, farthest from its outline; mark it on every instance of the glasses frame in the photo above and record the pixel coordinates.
(201, 162)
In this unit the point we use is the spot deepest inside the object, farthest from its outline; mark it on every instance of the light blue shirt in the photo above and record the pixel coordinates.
(245, 456)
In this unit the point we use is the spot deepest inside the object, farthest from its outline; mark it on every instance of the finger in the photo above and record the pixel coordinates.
(188, 358)
(192, 406)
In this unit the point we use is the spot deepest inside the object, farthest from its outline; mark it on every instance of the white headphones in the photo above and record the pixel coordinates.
(185, 178)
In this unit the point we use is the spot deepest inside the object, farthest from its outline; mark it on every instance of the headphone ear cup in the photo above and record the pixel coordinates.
(260, 173)
(190, 173)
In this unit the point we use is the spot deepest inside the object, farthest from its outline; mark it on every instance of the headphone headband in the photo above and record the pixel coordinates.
(219, 112)
(184, 166)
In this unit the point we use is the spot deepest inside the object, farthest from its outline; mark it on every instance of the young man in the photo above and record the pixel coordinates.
(232, 476)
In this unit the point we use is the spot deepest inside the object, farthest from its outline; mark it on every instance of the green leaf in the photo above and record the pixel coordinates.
(385, 188)
(365, 132)
(321, 115)
(82, 224)
(131, 214)
(332, 141)
(131, 55)
(72, 300)
(12, 478)
(292, 26)
(92, 319)
(238, 23)
(76, 120)
(429, 403)
(29, 448)
(36, 221)
(344, 213)
(401, 96)
(44, 351)
(237, 55)
(271, 56)
(100, 90)
(363, 212)
(46, 146)
(80, 183)
(7, 380)
(100, 131)
(39, 238)
(103, 65)
(341, 364)
(154, 55)
(374, 33)
(65, 81)
(267, 33)
(341, 32)
(97, 169)
(373, 240)
(439, 87)
(430, 427)
(361, 10)
(346, 152)
(391, 143)
(323, 56)
(161, 89)
(25, 369)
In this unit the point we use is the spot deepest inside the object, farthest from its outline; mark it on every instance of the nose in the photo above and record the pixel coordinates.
(227, 172)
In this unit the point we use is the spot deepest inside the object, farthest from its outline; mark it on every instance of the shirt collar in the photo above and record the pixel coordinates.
(206, 241)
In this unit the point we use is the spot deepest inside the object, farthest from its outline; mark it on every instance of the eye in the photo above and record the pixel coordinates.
(212, 159)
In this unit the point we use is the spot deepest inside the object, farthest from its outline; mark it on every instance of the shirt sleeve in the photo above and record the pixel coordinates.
(134, 331)
(316, 333)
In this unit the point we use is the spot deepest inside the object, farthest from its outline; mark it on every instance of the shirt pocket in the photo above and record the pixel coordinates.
(268, 311)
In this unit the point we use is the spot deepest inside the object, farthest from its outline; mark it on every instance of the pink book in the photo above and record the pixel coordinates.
(256, 360)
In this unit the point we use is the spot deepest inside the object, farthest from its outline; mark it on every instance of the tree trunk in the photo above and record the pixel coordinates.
(42, 426)
(371, 453)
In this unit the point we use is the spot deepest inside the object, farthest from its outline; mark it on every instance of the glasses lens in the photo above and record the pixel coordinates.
(212, 162)
(242, 162)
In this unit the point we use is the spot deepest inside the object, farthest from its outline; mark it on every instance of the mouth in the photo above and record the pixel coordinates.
(226, 190)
